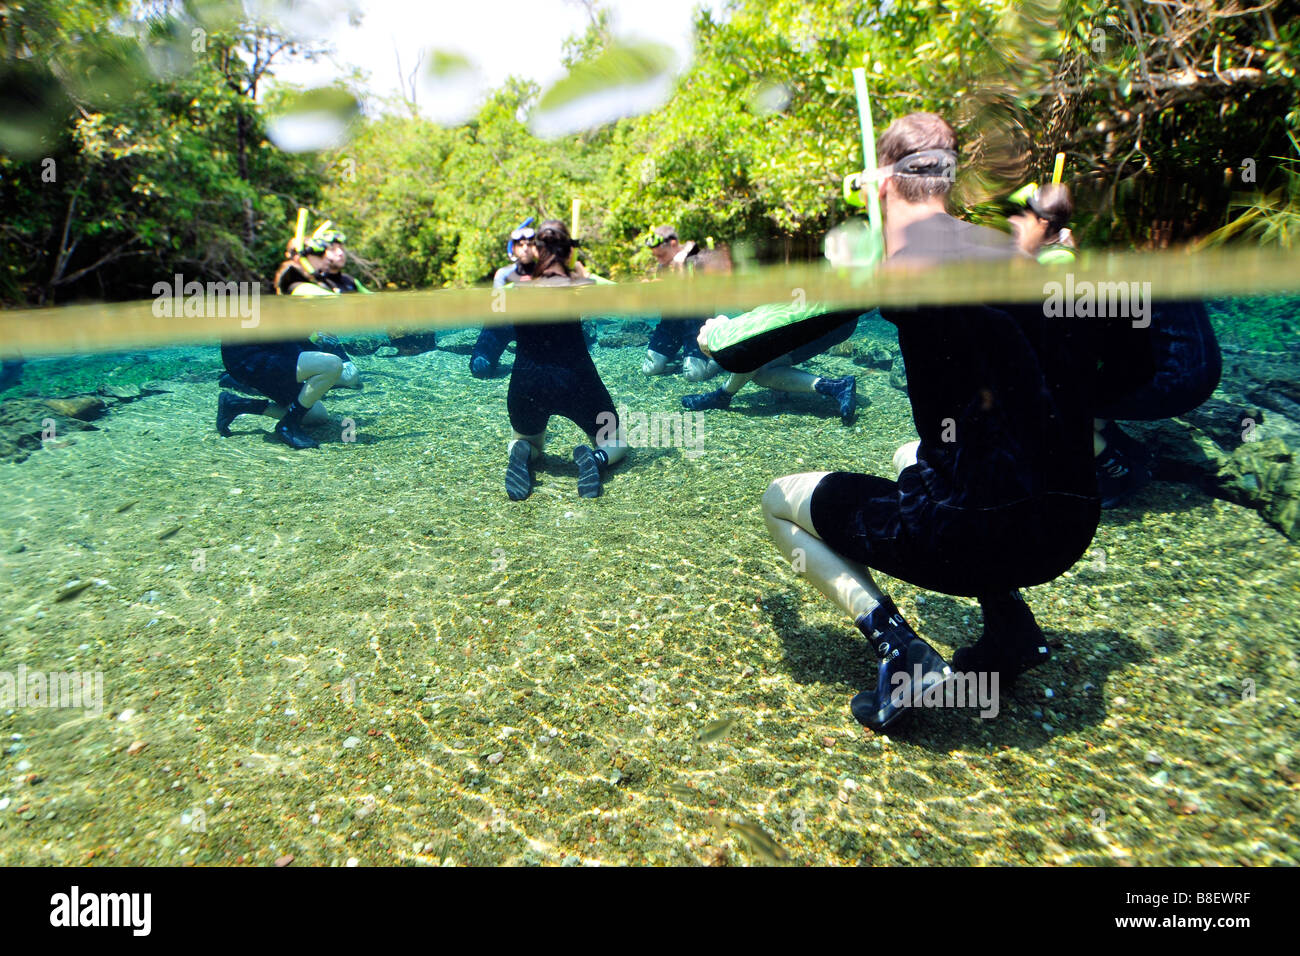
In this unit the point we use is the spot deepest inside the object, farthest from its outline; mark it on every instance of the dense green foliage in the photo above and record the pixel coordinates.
(156, 137)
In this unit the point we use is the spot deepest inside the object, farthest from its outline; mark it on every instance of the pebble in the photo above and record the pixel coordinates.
(496, 757)
(1153, 757)
(353, 861)
(136, 747)
(1048, 692)
(351, 743)
(1161, 778)
(23, 765)
(126, 714)
(4, 804)
(284, 860)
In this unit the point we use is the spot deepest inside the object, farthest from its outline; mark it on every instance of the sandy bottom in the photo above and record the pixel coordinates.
(367, 652)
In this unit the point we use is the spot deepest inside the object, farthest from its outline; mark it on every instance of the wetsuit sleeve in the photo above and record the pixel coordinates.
(750, 341)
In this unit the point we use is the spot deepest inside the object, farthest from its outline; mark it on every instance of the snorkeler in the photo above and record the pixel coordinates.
(1039, 219)
(1185, 362)
(672, 335)
(493, 339)
(999, 492)
(780, 375)
(295, 375)
(553, 374)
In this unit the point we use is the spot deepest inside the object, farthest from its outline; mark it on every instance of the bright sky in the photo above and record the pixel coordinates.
(500, 37)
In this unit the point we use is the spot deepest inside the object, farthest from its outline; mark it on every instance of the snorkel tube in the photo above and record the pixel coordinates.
(869, 157)
(299, 235)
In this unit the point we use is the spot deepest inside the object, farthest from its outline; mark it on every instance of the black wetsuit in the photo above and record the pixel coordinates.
(267, 367)
(553, 374)
(671, 335)
(271, 368)
(1185, 364)
(1003, 493)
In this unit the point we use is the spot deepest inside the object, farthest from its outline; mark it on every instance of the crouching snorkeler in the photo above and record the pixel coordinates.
(553, 374)
(672, 256)
(1174, 367)
(999, 492)
(292, 376)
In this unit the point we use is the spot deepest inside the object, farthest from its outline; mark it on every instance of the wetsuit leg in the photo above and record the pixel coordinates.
(488, 349)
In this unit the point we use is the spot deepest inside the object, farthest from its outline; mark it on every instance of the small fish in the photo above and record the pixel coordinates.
(126, 507)
(443, 712)
(169, 532)
(759, 841)
(715, 730)
(72, 590)
(680, 790)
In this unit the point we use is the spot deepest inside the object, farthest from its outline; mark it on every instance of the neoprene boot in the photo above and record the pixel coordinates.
(519, 472)
(230, 407)
(1119, 477)
(844, 391)
(480, 366)
(908, 668)
(718, 398)
(589, 483)
(289, 429)
(1012, 641)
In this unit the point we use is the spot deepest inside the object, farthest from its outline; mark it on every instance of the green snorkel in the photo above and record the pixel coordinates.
(869, 155)
(857, 246)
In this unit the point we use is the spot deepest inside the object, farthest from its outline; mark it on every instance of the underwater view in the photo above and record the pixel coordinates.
(378, 657)
(783, 435)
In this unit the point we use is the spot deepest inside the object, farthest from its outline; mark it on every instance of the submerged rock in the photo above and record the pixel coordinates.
(82, 407)
(1264, 475)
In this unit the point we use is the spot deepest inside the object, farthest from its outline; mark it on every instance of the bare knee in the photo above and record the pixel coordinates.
(775, 502)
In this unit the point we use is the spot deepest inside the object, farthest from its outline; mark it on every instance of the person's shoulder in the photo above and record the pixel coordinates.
(945, 238)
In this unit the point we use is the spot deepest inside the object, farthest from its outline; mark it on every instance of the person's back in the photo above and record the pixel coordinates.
(1000, 393)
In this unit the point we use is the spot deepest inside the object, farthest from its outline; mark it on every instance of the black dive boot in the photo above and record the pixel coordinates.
(519, 473)
(230, 407)
(1119, 477)
(843, 390)
(903, 656)
(1012, 641)
(589, 463)
(718, 398)
(289, 429)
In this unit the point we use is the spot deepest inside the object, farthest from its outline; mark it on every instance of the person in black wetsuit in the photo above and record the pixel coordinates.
(781, 374)
(493, 339)
(1000, 493)
(553, 374)
(673, 335)
(1185, 366)
(293, 375)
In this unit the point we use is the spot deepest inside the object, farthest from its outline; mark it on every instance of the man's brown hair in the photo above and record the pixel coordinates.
(910, 134)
